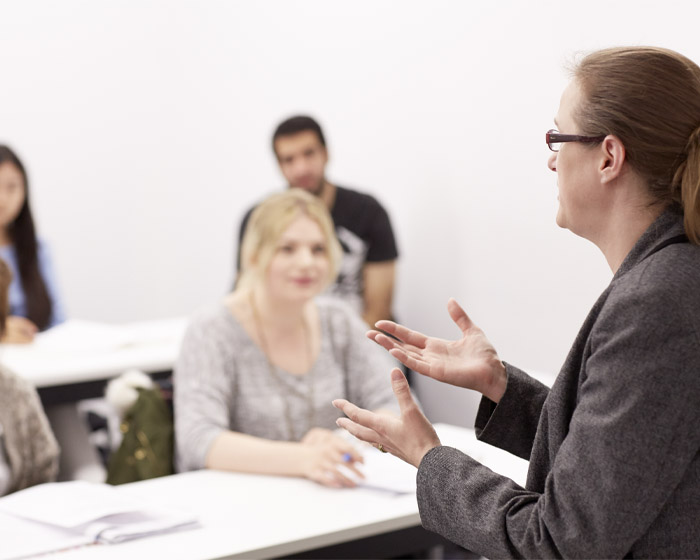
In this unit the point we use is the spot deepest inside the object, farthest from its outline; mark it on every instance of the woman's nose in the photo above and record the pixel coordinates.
(552, 161)
(304, 257)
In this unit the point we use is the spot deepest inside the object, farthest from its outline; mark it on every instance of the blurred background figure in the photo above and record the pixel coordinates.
(257, 372)
(28, 449)
(34, 303)
(367, 271)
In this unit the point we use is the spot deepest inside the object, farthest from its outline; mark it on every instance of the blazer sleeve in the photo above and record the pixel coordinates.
(512, 423)
(631, 442)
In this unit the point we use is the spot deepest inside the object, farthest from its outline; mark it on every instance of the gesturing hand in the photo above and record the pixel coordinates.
(409, 437)
(470, 362)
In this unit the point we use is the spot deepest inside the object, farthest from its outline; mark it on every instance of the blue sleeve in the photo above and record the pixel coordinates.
(46, 269)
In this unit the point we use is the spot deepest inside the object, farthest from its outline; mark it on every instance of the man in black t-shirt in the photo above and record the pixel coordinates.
(366, 278)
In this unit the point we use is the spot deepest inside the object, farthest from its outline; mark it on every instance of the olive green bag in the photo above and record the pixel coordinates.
(146, 450)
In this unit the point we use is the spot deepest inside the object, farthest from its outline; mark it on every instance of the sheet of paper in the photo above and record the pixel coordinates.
(67, 504)
(60, 515)
(22, 537)
(385, 472)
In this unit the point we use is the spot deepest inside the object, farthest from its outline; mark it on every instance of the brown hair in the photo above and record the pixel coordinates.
(650, 99)
(267, 223)
(5, 281)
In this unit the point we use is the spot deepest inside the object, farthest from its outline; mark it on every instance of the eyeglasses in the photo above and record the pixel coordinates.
(554, 137)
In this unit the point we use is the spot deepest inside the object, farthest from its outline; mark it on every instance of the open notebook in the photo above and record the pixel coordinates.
(60, 515)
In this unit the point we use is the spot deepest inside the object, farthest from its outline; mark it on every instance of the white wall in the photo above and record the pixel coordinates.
(145, 127)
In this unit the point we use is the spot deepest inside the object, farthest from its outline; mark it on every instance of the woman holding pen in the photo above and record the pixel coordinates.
(256, 373)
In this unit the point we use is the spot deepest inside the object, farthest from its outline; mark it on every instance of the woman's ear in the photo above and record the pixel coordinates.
(613, 158)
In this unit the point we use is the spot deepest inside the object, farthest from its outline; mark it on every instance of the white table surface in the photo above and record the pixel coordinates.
(81, 351)
(256, 516)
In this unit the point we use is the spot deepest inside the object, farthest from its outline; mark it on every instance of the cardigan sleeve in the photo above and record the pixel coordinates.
(202, 394)
(632, 441)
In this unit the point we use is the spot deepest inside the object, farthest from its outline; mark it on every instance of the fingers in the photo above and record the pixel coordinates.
(328, 475)
(404, 334)
(400, 386)
(357, 414)
(351, 467)
(346, 453)
(414, 363)
(362, 433)
(381, 339)
(458, 315)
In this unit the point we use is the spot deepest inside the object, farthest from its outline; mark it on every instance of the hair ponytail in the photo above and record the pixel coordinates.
(687, 180)
(649, 97)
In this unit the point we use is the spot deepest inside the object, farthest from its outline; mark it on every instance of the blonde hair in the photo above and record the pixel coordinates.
(267, 223)
(648, 97)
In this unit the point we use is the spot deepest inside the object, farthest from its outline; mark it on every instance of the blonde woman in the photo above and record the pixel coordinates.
(256, 374)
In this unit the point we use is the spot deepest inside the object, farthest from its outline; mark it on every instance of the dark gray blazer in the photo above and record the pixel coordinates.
(613, 446)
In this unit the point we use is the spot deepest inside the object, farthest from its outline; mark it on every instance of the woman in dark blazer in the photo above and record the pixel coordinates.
(614, 444)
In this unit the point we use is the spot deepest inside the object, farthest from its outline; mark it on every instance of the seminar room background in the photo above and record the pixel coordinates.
(145, 127)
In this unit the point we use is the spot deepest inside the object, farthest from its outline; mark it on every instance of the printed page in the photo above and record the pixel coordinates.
(59, 515)
(23, 537)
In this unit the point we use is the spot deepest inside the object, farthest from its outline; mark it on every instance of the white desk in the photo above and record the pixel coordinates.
(74, 360)
(254, 516)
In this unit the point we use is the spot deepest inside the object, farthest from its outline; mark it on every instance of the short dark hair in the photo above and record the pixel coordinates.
(296, 124)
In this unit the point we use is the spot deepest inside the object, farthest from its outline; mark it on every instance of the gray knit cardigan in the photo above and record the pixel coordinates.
(30, 447)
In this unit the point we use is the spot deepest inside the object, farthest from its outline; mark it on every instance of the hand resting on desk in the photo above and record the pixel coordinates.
(19, 330)
(326, 452)
(318, 456)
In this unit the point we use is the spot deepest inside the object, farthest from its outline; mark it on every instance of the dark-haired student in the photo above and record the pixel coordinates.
(367, 272)
(34, 304)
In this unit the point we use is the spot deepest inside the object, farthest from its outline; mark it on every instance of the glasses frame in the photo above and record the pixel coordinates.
(553, 136)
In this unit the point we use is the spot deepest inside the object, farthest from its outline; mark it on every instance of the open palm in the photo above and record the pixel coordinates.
(470, 362)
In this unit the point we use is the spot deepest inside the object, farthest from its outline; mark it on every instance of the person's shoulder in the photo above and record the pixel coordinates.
(674, 270)
(246, 215)
(346, 195)
(667, 283)
(213, 320)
